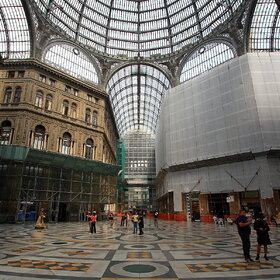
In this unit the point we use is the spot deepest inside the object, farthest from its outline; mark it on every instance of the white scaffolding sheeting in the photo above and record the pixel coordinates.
(231, 110)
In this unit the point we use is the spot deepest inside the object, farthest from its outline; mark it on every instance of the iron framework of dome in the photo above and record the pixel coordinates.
(136, 93)
(14, 30)
(133, 28)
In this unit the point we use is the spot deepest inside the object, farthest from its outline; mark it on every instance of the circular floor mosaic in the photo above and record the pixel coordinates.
(139, 247)
(139, 238)
(97, 236)
(134, 269)
(139, 268)
(58, 243)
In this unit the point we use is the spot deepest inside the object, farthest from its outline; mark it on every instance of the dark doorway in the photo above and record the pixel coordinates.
(62, 214)
(195, 210)
(218, 204)
(252, 207)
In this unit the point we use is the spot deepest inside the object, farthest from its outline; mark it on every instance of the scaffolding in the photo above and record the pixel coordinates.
(65, 186)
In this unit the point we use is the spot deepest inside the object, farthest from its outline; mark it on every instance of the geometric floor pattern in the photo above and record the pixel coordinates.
(47, 265)
(175, 250)
(215, 267)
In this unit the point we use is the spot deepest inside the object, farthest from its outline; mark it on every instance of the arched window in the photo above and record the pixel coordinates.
(89, 152)
(8, 95)
(265, 27)
(74, 110)
(65, 108)
(48, 104)
(6, 129)
(87, 119)
(94, 118)
(205, 58)
(39, 137)
(39, 99)
(72, 61)
(17, 95)
(66, 143)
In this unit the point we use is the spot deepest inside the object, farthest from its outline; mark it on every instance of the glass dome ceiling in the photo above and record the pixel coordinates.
(137, 27)
(136, 93)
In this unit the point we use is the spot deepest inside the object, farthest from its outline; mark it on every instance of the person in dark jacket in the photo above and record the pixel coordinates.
(244, 230)
(141, 224)
(89, 219)
(262, 229)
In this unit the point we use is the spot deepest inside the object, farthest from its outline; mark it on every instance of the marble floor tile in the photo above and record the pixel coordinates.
(175, 250)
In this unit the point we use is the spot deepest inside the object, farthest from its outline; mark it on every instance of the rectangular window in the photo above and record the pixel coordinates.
(11, 74)
(76, 92)
(5, 136)
(67, 89)
(89, 97)
(52, 82)
(21, 74)
(42, 78)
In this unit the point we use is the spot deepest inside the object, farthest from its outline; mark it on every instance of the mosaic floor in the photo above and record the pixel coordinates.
(176, 250)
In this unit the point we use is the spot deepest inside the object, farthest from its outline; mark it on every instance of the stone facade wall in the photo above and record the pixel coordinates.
(26, 115)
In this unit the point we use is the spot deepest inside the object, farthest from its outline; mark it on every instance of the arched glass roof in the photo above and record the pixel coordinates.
(136, 93)
(137, 27)
(265, 27)
(14, 31)
(71, 60)
(205, 58)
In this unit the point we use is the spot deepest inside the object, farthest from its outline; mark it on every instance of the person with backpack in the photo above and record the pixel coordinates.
(262, 229)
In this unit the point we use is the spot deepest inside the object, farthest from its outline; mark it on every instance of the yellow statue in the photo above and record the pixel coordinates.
(40, 222)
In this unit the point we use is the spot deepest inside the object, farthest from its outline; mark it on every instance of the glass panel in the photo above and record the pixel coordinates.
(265, 27)
(132, 28)
(136, 92)
(72, 61)
(206, 58)
(14, 33)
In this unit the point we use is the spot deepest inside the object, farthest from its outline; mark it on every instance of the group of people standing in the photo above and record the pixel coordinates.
(243, 223)
(244, 229)
(125, 219)
(137, 220)
(92, 218)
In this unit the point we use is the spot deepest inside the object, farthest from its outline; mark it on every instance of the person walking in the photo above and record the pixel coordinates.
(141, 224)
(262, 229)
(156, 218)
(135, 223)
(123, 218)
(111, 219)
(93, 223)
(89, 220)
(244, 231)
(127, 219)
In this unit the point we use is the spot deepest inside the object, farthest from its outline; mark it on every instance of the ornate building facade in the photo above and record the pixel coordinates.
(49, 113)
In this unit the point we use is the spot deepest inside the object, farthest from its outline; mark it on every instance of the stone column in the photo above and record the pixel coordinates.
(234, 206)
(32, 139)
(204, 208)
(268, 207)
(276, 195)
(11, 136)
(45, 142)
